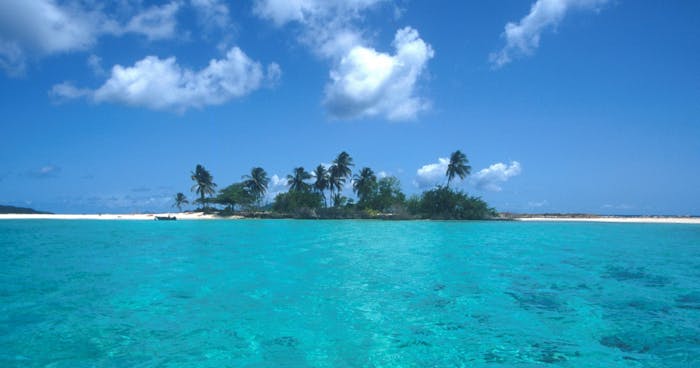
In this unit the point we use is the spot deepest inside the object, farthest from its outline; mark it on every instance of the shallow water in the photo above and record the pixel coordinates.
(284, 293)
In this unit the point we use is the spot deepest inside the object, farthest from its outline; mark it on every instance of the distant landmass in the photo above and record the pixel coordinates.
(21, 210)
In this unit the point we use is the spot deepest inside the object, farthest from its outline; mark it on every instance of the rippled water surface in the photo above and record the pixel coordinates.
(283, 293)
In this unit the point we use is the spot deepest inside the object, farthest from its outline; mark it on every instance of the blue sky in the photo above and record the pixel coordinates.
(560, 105)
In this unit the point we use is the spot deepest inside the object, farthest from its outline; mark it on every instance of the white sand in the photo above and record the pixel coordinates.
(150, 216)
(647, 220)
(202, 216)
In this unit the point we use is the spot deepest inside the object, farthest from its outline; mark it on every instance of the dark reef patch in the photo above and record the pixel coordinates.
(285, 341)
(635, 274)
(689, 301)
(625, 344)
(538, 300)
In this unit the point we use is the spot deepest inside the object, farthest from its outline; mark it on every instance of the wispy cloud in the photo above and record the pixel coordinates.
(619, 206)
(523, 38)
(162, 84)
(156, 22)
(94, 62)
(312, 12)
(537, 204)
(122, 203)
(47, 171)
(212, 14)
(492, 177)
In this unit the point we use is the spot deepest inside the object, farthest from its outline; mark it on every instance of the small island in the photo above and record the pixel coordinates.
(319, 195)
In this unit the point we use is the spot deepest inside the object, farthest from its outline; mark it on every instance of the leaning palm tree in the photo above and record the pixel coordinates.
(180, 200)
(364, 184)
(321, 182)
(257, 182)
(296, 181)
(203, 184)
(458, 166)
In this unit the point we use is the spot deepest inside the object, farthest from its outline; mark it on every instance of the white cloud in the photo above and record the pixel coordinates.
(431, 174)
(277, 182)
(36, 28)
(493, 176)
(371, 83)
(276, 186)
(523, 38)
(162, 84)
(363, 81)
(41, 27)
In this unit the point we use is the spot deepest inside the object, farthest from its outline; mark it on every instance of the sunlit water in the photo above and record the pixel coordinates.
(286, 293)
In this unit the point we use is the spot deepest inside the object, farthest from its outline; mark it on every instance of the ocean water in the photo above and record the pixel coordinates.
(285, 293)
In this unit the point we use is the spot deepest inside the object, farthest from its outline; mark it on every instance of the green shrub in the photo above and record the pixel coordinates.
(298, 203)
(447, 204)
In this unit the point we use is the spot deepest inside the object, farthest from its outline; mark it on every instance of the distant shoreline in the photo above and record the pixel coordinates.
(615, 219)
(203, 216)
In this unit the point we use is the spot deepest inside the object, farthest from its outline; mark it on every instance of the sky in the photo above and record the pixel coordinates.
(560, 105)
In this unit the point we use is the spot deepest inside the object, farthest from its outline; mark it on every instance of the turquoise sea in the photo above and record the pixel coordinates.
(286, 293)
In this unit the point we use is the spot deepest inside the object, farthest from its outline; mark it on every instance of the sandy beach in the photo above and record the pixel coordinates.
(619, 219)
(149, 216)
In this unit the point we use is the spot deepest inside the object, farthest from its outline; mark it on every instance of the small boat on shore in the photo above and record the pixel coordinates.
(165, 218)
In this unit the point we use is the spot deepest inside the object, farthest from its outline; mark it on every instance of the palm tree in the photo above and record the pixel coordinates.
(340, 171)
(364, 184)
(458, 166)
(321, 182)
(180, 199)
(344, 162)
(296, 181)
(203, 183)
(336, 181)
(257, 182)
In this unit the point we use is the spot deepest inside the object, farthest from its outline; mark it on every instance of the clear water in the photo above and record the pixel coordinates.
(348, 294)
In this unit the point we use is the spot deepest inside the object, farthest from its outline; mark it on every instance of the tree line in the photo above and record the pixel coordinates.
(306, 196)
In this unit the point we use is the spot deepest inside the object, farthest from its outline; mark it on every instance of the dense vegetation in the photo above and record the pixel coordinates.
(306, 197)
